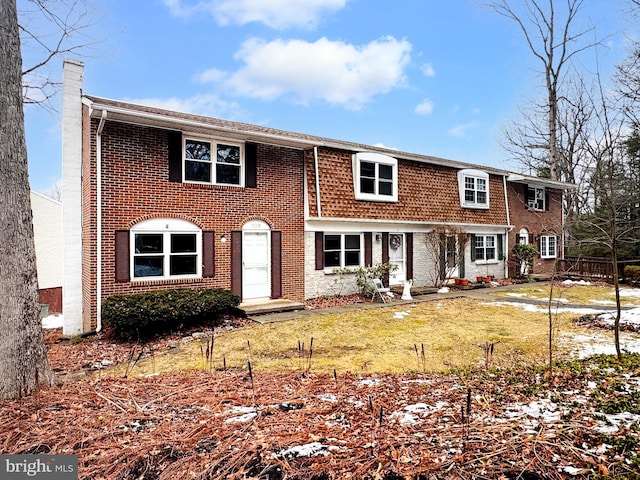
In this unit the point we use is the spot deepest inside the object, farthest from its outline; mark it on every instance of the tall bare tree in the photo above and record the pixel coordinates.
(23, 360)
(554, 38)
(50, 30)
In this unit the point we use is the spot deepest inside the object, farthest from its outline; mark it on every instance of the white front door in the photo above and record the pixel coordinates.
(256, 264)
(397, 257)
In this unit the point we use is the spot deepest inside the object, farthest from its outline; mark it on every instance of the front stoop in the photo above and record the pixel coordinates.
(261, 307)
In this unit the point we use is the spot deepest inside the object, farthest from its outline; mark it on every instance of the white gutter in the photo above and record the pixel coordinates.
(317, 174)
(506, 235)
(103, 119)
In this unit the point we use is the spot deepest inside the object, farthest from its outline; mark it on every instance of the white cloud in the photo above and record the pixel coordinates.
(461, 130)
(336, 72)
(206, 104)
(424, 108)
(211, 76)
(428, 71)
(276, 14)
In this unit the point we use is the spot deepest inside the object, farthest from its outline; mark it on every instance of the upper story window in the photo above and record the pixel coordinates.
(536, 198)
(548, 246)
(342, 250)
(218, 163)
(473, 187)
(165, 248)
(375, 177)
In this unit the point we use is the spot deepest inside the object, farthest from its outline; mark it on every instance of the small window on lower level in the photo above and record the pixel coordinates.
(342, 250)
(165, 248)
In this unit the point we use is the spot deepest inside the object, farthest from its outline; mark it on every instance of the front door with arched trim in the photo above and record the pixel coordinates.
(256, 260)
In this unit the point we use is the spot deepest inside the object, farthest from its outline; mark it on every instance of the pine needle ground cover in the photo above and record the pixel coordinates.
(434, 336)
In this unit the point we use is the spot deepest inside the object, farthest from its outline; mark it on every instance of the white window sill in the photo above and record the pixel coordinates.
(475, 206)
(487, 262)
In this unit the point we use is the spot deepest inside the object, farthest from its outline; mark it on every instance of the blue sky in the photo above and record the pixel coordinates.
(435, 77)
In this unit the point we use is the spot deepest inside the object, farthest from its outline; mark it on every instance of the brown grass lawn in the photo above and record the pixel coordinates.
(450, 332)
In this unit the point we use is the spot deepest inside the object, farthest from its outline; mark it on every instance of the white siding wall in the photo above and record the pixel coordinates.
(47, 230)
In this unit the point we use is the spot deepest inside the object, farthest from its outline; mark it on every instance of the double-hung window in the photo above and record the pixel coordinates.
(535, 198)
(166, 248)
(548, 246)
(375, 177)
(342, 250)
(485, 247)
(473, 186)
(207, 161)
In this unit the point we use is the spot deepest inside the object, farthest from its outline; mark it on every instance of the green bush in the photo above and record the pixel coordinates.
(144, 315)
(632, 274)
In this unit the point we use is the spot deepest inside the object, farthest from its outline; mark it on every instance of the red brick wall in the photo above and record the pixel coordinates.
(51, 297)
(536, 222)
(135, 187)
(426, 193)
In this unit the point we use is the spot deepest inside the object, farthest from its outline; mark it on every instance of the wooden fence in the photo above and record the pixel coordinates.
(591, 267)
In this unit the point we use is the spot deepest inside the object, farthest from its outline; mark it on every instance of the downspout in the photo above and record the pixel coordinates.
(317, 175)
(103, 119)
(509, 226)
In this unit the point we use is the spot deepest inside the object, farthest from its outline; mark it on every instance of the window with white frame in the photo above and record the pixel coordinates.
(342, 250)
(485, 247)
(207, 161)
(548, 246)
(473, 186)
(375, 177)
(166, 248)
(536, 198)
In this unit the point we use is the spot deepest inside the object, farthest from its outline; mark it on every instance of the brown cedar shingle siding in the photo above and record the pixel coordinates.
(426, 193)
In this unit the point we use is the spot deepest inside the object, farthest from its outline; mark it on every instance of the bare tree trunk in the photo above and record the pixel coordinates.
(23, 360)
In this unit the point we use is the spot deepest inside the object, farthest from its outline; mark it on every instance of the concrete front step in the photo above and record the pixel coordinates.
(261, 307)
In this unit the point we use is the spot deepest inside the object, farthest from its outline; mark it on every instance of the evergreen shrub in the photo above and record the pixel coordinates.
(145, 315)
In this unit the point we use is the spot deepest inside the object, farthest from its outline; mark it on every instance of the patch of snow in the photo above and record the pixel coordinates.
(328, 397)
(400, 315)
(53, 321)
(630, 292)
(630, 317)
(574, 282)
(312, 449)
(603, 302)
(516, 294)
(584, 346)
(617, 420)
(369, 382)
(246, 414)
(443, 290)
(541, 309)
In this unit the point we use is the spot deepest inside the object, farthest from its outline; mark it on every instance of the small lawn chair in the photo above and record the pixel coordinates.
(379, 290)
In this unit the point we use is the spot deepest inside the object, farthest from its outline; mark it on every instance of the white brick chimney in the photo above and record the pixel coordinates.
(72, 196)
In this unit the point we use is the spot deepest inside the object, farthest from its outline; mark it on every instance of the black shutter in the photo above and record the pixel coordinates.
(208, 254)
(385, 247)
(319, 251)
(473, 248)
(500, 247)
(276, 264)
(250, 165)
(174, 141)
(236, 262)
(546, 200)
(122, 256)
(368, 257)
(409, 254)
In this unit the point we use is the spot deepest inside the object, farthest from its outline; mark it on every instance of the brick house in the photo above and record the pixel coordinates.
(157, 199)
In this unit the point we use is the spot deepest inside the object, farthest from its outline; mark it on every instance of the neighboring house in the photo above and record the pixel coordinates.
(156, 199)
(535, 206)
(47, 232)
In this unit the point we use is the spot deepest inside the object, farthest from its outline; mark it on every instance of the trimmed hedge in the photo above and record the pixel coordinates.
(632, 274)
(144, 315)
